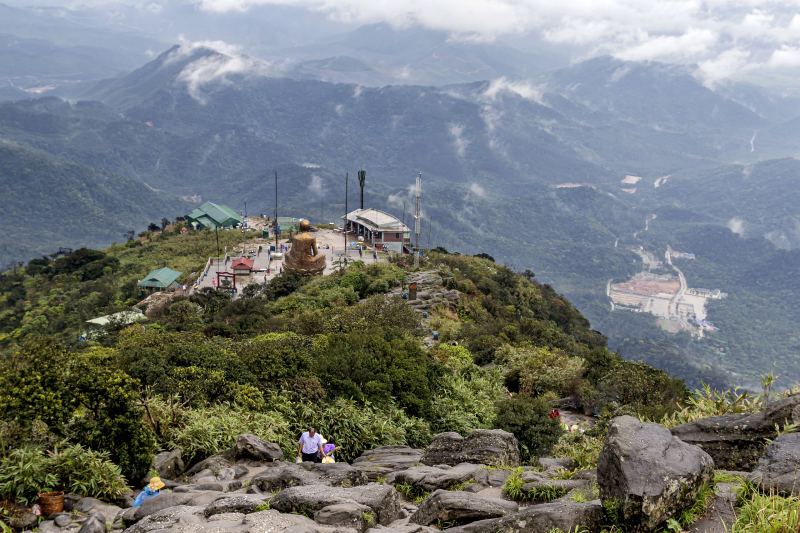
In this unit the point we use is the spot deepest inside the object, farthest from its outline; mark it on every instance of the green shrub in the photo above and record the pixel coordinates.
(527, 418)
(465, 399)
(27, 471)
(582, 448)
(211, 430)
(355, 427)
(24, 473)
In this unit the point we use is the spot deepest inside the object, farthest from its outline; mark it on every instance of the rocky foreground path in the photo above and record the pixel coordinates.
(645, 476)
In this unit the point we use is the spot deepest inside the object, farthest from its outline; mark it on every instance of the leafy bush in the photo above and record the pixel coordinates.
(211, 430)
(527, 418)
(79, 396)
(582, 448)
(355, 428)
(24, 473)
(536, 370)
(466, 394)
(27, 471)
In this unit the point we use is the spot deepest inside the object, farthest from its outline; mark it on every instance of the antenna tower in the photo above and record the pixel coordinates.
(417, 218)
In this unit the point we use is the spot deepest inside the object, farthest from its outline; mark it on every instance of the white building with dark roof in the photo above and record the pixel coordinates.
(379, 229)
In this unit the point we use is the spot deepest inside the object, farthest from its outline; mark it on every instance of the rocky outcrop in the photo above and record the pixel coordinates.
(779, 469)
(239, 503)
(459, 507)
(736, 442)
(482, 446)
(382, 461)
(382, 499)
(169, 465)
(349, 515)
(251, 447)
(543, 518)
(284, 475)
(647, 475)
(430, 478)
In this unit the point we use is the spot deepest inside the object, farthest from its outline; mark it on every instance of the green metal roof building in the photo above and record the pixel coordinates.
(211, 215)
(161, 279)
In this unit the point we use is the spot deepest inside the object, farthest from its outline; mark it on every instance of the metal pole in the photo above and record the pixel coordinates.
(216, 234)
(418, 218)
(276, 211)
(344, 225)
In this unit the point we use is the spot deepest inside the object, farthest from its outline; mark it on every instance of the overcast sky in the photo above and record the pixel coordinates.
(724, 38)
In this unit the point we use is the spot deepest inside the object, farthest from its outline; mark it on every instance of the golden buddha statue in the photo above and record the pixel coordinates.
(304, 257)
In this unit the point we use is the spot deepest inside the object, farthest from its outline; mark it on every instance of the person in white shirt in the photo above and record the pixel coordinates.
(309, 447)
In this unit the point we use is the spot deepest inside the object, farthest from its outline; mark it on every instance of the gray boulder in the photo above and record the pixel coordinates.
(482, 446)
(459, 507)
(271, 521)
(649, 475)
(382, 461)
(491, 477)
(93, 524)
(167, 500)
(430, 478)
(337, 474)
(239, 503)
(779, 469)
(163, 519)
(543, 518)
(251, 447)
(169, 465)
(283, 475)
(736, 442)
(382, 499)
(93, 505)
(350, 515)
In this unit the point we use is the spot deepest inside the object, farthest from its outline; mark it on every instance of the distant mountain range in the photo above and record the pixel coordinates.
(530, 169)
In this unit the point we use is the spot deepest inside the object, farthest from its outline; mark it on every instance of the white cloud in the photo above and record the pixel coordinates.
(476, 189)
(460, 143)
(520, 88)
(736, 225)
(687, 46)
(725, 65)
(785, 57)
(720, 36)
(225, 61)
(316, 186)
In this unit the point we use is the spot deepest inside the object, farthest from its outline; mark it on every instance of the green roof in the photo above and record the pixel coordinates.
(213, 215)
(160, 278)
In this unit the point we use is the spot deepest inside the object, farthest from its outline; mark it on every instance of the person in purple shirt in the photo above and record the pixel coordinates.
(309, 447)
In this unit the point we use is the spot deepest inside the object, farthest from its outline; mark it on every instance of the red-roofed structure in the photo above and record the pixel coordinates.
(242, 266)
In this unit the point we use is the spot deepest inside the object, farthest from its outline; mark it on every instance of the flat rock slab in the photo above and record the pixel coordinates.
(543, 518)
(382, 461)
(430, 478)
(459, 507)
(239, 503)
(736, 442)
(483, 446)
(382, 499)
(167, 518)
(284, 475)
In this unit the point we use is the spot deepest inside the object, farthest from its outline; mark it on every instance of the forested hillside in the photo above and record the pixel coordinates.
(338, 351)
